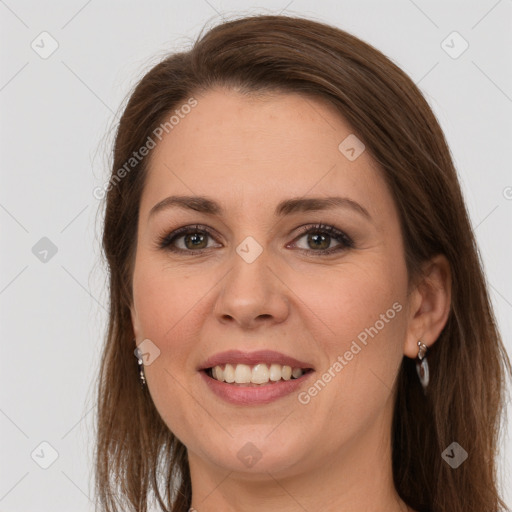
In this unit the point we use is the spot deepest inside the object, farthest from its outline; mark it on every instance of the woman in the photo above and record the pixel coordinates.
(292, 264)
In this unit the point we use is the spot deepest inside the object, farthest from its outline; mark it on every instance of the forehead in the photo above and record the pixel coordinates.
(262, 149)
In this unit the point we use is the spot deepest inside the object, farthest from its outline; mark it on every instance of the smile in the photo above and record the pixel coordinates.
(258, 374)
(250, 393)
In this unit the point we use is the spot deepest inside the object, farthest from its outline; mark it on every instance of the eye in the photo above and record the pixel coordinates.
(195, 239)
(320, 237)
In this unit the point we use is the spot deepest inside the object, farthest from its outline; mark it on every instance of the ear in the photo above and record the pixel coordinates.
(429, 305)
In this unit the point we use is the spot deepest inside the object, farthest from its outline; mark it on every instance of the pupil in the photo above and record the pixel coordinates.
(315, 237)
(195, 238)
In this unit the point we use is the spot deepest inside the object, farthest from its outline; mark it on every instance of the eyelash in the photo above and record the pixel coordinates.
(165, 242)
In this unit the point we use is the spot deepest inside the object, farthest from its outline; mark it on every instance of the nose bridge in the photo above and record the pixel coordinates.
(252, 292)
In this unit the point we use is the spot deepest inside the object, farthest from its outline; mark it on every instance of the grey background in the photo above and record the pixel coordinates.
(56, 125)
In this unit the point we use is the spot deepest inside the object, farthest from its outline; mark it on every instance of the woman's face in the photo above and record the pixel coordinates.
(249, 279)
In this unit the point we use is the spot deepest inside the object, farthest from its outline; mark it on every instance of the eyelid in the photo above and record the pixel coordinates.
(331, 230)
(345, 241)
(164, 241)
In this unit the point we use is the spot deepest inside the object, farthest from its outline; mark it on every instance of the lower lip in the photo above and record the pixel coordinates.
(254, 395)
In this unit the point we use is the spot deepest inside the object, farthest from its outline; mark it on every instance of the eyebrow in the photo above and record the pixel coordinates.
(287, 207)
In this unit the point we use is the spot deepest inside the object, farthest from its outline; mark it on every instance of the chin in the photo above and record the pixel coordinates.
(255, 457)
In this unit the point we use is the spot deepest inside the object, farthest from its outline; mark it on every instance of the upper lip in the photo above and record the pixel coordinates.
(250, 358)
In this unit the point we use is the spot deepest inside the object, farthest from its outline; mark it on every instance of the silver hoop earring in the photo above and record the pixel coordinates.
(422, 366)
(141, 365)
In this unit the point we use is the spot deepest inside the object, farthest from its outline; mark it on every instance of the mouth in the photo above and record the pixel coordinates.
(254, 378)
(257, 375)
(254, 385)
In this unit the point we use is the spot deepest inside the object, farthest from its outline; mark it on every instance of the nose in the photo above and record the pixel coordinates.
(252, 294)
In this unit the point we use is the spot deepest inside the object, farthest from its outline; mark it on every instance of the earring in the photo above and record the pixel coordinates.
(422, 366)
(138, 355)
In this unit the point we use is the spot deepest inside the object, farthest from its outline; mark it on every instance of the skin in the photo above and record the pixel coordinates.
(248, 153)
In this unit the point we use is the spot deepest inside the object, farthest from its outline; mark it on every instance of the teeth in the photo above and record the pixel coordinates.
(286, 372)
(275, 372)
(258, 374)
(296, 373)
(242, 374)
(229, 373)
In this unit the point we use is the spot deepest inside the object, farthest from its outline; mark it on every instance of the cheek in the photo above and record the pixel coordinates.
(357, 317)
(169, 310)
(348, 299)
(163, 297)
(167, 306)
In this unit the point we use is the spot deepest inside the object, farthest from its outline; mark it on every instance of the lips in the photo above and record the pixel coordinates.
(255, 395)
(252, 358)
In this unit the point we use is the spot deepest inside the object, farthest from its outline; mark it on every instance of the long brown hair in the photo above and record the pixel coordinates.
(136, 454)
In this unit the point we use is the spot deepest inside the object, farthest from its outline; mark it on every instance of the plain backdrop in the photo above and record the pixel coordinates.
(58, 111)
